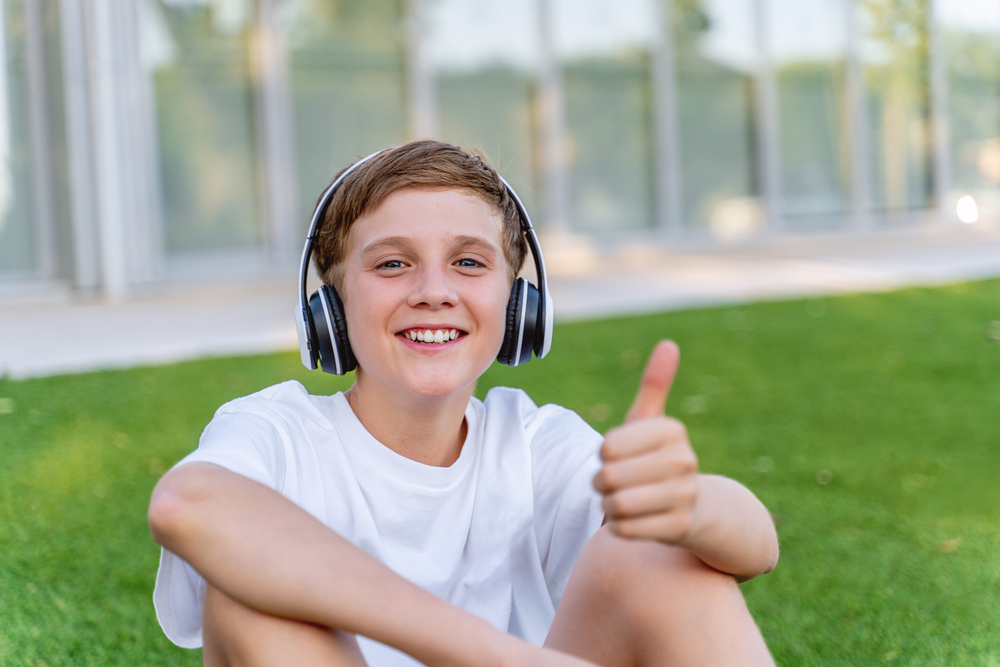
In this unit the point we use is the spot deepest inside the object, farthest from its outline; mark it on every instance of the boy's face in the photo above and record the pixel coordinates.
(425, 261)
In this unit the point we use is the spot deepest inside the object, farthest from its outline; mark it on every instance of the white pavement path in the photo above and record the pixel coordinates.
(58, 335)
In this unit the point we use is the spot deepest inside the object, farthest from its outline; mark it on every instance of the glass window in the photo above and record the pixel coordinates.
(970, 32)
(894, 52)
(17, 249)
(808, 46)
(198, 54)
(604, 47)
(716, 60)
(348, 80)
(485, 62)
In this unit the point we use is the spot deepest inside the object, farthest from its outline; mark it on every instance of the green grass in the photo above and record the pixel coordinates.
(869, 425)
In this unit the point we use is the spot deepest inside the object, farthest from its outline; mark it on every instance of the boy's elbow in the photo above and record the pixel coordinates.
(171, 507)
(767, 559)
(763, 567)
(773, 560)
(163, 516)
(775, 548)
(771, 552)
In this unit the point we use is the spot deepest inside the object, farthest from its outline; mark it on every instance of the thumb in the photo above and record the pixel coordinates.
(657, 379)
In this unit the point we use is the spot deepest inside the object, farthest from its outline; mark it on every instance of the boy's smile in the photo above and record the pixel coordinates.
(425, 288)
(428, 337)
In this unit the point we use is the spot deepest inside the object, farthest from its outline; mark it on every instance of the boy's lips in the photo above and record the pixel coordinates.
(431, 334)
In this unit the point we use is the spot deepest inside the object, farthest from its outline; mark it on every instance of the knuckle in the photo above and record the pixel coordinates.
(675, 426)
(689, 493)
(676, 527)
(601, 481)
(683, 525)
(620, 505)
(686, 459)
(664, 425)
(626, 529)
(658, 465)
(609, 450)
(663, 456)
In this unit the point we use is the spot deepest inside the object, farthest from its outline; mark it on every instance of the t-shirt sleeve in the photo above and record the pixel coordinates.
(564, 452)
(248, 444)
(244, 442)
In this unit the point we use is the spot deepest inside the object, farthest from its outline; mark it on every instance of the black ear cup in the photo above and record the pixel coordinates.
(511, 326)
(335, 353)
(531, 324)
(522, 325)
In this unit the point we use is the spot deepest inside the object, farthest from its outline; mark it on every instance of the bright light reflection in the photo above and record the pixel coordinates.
(966, 209)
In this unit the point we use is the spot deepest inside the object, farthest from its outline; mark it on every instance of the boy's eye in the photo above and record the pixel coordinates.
(391, 264)
(468, 263)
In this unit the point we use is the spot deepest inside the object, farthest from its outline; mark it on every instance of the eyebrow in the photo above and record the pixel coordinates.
(466, 241)
(462, 241)
(387, 242)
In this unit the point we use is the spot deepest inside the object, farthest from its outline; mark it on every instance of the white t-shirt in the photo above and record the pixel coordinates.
(497, 533)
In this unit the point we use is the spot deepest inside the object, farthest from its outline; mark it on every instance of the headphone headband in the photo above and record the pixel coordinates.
(303, 321)
(535, 249)
(308, 347)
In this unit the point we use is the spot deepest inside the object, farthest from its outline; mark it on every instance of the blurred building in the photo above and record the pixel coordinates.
(155, 141)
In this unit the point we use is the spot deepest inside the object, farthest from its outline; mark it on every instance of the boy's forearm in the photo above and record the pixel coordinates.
(264, 551)
(734, 532)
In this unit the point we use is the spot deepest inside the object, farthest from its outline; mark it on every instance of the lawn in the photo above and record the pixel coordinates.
(869, 425)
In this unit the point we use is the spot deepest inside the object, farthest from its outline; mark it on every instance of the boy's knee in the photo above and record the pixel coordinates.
(635, 575)
(641, 602)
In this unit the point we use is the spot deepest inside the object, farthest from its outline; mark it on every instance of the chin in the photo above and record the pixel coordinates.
(428, 378)
(438, 385)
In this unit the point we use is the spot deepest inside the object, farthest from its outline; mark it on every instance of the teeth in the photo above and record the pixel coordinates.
(428, 336)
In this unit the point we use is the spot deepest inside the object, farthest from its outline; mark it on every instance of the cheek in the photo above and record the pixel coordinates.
(496, 317)
(365, 311)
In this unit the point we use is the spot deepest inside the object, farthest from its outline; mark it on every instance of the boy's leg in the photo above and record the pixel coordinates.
(643, 604)
(237, 636)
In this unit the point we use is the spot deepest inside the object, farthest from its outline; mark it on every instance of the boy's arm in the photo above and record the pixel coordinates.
(264, 551)
(733, 531)
(652, 489)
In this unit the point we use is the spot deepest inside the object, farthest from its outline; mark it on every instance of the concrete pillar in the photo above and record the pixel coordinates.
(274, 105)
(768, 141)
(422, 113)
(552, 126)
(666, 125)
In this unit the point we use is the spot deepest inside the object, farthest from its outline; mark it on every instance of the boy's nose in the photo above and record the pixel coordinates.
(432, 289)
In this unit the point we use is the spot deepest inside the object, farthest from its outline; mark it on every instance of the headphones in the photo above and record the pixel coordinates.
(322, 328)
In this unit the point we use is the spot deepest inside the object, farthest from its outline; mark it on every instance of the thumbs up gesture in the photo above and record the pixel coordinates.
(650, 475)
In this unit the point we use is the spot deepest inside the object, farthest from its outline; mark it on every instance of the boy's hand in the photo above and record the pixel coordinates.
(650, 476)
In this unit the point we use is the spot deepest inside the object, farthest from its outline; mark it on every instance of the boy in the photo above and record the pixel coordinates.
(406, 520)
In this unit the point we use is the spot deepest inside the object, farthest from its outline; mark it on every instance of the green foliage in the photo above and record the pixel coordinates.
(867, 424)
